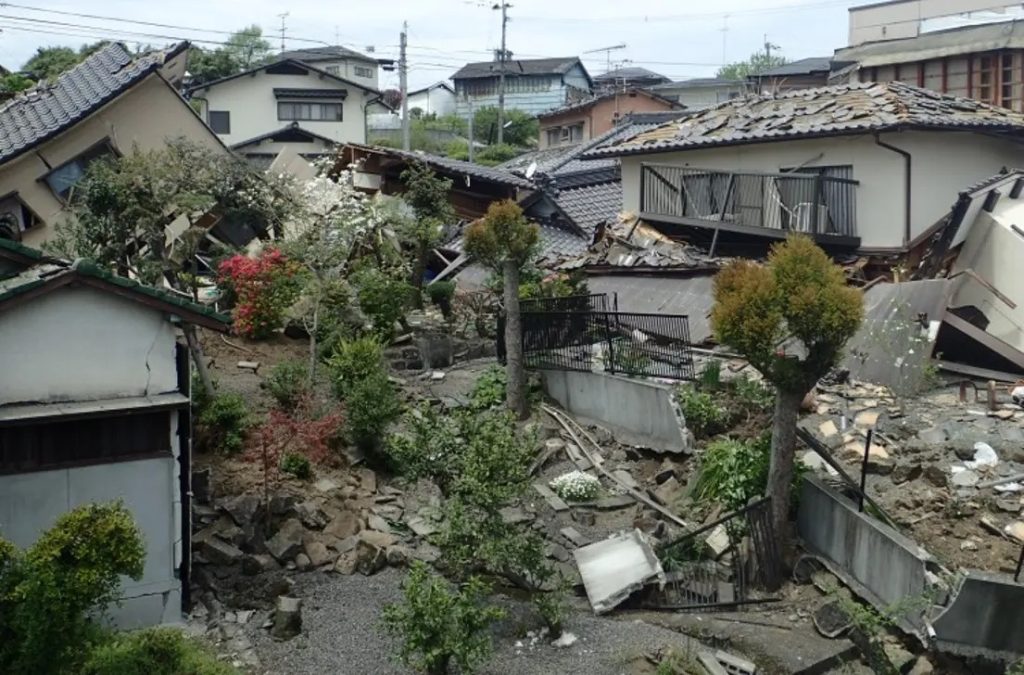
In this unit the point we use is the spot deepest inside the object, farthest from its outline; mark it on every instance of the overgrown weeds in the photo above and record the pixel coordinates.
(223, 423)
(288, 383)
(732, 472)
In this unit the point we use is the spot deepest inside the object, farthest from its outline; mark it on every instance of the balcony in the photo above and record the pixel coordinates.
(763, 205)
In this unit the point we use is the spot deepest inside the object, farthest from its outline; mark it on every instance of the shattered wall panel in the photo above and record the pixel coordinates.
(662, 295)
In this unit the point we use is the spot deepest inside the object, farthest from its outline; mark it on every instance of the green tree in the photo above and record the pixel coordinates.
(799, 296)
(51, 593)
(757, 63)
(522, 128)
(207, 65)
(245, 49)
(248, 48)
(427, 194)
(15, 82)
(49, 62)
(506, 241)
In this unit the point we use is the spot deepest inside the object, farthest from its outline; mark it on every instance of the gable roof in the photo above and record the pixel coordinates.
(443, 164)
(589, 102)
(286, 134)
(330, 53)
(824, 111)
(42, 274)
(442, 85)
(299, 64)
(813, 64)
(42, 112)
(631, 73)
(551, 66)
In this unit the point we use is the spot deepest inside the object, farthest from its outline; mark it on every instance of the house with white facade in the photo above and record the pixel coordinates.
(341, 61)
(437, 99)
(531, 85)
(701, 92)
(288, 103)
(107, 105)
(94, 407)
(864, 167)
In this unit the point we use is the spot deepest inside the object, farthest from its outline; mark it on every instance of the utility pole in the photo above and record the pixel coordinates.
(503, 6)
(403, 85)
(283, 16)
(469, 100)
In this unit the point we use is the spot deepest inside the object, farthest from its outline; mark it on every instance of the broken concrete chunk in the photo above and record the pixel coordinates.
(317, 553)
(828, 428)
(220, 552)
(326, 485)
(375, 522)
(718, 541)
(574, 537)
(421, 526)
(249, 365)
(735, 664)
(345, 525)
(668, 492)
(378, 538)
(866, 419)
(1015, 530)
(553, 500)
(614, 568)
(367, 480)
(287, 618)
(614, 502)
(626, 478)
(965, 479)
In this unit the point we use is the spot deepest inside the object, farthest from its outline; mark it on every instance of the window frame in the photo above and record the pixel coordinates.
(213, 128)
(367, 72)
(28, 214)
(298, 102)
(94, 152)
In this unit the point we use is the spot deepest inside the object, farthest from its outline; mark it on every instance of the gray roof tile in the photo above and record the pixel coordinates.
(825, 111)
(48, 109)
(588, 206)
(314, 54)
(552, 66)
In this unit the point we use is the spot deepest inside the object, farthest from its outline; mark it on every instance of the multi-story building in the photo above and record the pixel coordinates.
(531, 85)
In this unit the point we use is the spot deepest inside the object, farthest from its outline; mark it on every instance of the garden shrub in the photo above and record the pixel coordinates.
(51, 593)
(732, 472)
(354, 361)
(308, 431)
(438, 624)
(441, 294)
(382, 298)
(154, 651)
(752, 395)
(297, 465)
(489, 389)
(703, 415)
(223, 423)
(576, 486)
(288, 383)
(263, 288)
(371, 405)
(710, 377)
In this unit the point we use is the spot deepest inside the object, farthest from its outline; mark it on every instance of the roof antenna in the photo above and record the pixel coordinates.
(283, 16)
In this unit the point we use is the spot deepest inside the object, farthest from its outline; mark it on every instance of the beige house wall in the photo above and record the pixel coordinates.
(893, 20)
(943, 164)
(146, 116)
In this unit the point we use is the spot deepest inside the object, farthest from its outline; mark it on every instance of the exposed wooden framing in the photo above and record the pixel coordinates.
(767, 232)
(945, 75)
(920, 73)
(897, 73)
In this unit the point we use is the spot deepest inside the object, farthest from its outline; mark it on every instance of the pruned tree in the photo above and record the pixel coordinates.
(790, 318)
(427, 194)
(757, 63)
(505, 240)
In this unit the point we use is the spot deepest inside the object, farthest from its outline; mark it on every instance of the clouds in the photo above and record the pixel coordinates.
(676, 39)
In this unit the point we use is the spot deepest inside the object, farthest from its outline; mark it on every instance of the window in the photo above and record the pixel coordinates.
(15, 216)
(363, 71)
(554, 136)
(92, 440)
(316, 112)
(1009, 94)
(64, 177)
(572, 134)
(986, 78)
(220, 121)
(332, 70)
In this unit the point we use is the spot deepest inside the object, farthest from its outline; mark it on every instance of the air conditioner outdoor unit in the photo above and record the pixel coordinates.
(804, 217)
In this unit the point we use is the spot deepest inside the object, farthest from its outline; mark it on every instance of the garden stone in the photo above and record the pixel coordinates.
(367, 480)
(904, 473)
(344, 525)
(616, 502)
(936, 476)
(202, 488)
(378, 539)
(302, 562)
(584, 518)
(287, 618)
(288, 540)
(370, 559)
(317, 553)
(375, 522)
(220, 552)
(965, 478)
(668, 492)
(311, 515)
(242, 508)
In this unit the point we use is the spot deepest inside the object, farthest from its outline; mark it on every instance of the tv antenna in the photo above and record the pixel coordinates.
(607, 54)
(283, 16)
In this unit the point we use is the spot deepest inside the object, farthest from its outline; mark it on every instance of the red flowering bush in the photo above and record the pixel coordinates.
(263, 288)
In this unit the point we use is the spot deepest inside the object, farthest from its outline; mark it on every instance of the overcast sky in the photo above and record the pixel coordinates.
(677, 38)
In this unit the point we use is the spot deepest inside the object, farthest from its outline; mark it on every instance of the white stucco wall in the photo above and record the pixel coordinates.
(144, 117)
(253, 107)
(944, 163)
(83, 344)
(347, 69)
(437, 100)
(994, 252)
(31, 502)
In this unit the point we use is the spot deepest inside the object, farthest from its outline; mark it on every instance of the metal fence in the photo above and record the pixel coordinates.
(596, 302)
(815, 203)
(598, 339)
(739, 566)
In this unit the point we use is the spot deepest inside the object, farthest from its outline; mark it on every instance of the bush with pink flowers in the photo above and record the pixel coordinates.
(263, 288)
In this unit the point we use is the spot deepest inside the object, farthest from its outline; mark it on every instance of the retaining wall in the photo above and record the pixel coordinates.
(986, 617)
(637, 411)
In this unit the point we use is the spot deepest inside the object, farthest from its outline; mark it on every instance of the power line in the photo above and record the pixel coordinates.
(688, 16)
(135, 21)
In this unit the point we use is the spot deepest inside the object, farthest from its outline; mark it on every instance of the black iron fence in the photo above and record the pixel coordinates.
(729, 563)
(823, 202)
(596, 339)
(596, 302)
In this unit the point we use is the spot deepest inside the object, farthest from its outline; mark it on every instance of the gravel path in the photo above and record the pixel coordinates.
(341, 634)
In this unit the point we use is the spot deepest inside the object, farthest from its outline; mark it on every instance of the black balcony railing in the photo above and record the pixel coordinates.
(818, 204)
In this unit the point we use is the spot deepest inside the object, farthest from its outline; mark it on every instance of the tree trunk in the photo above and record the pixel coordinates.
(311, 375)
(419, 268)
(516, 373)
(196, 350)
(780, 471)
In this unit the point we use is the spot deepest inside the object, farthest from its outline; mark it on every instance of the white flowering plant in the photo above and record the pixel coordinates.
(576, 486)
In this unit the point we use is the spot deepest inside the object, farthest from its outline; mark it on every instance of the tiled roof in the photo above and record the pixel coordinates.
(631, 73)
(588, 102)
(553, 66)
(44, 111)
(814, 64)
(824, 111)
(590, 205)
(546, 159)
(471, 169)
(696, 82)
(50, 270)
(314, 54)
(556, 243)
(634, 124)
